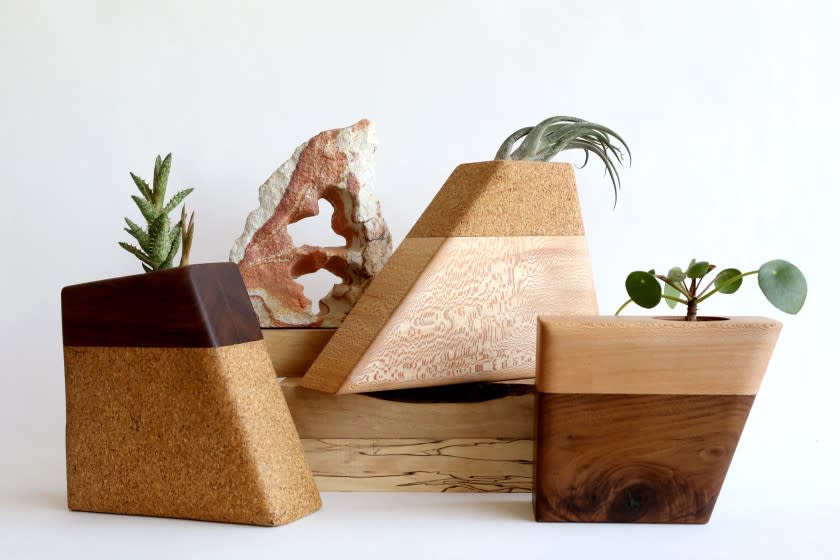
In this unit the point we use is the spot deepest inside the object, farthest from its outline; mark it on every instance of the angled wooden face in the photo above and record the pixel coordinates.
(637, 419)
(458, 300)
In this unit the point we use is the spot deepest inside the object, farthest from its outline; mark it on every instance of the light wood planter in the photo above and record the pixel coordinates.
(458, 300)
(173, 408)
(637, 418)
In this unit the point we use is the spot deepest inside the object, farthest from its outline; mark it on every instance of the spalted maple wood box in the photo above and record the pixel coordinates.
(172, 404)
(637, 418)
(474, 437)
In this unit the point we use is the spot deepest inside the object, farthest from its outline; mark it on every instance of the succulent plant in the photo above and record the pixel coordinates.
(781, 282)
(160, 241)
(556, 134)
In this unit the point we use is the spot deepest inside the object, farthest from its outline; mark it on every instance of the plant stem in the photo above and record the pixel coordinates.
(730, 281)
(625, 304)
(691, 314)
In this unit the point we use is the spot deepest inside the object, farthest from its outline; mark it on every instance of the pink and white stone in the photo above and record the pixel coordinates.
(339, 167)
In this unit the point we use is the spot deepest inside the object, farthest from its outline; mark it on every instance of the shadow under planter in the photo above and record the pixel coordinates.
(637, 418)
(172, 405)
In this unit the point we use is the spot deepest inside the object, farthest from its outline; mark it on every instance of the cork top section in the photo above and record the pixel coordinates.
(504, 198)
(647, 355)
(198, 306)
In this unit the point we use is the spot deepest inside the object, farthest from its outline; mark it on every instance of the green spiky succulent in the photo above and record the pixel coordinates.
(556, 134)
(160, 241)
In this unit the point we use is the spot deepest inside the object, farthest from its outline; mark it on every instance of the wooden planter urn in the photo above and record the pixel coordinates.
(637, 418)
(173, 409)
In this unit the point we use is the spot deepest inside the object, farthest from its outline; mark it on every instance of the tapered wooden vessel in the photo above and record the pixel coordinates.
(173, 409)
(457, 302)
(637, 418)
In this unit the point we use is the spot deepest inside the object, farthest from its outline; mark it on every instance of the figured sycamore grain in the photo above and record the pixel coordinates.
(421, 465)
(466, 312)
(601, 355)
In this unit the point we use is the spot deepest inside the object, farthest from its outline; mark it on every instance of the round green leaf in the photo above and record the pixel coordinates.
(783, 285)
(671, 291)
(725, 276)
(697, 269)
(676, 275)
(643, 289)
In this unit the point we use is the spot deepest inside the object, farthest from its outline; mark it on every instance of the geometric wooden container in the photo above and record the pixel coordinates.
(501, 242)
(637, 418)
(473, 437)
(173, 408)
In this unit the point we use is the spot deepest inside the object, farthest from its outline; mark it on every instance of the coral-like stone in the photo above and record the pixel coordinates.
(337, 166)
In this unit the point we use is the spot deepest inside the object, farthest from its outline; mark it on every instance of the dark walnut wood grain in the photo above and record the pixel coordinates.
(633, 458)
(198, 306)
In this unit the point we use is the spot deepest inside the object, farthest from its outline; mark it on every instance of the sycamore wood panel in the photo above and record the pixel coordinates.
(472, 410)
(458, 309)
(293, 350)
(421, 465)
(726, 357)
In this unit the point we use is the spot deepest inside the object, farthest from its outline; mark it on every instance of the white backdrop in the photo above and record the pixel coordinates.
(730, 108)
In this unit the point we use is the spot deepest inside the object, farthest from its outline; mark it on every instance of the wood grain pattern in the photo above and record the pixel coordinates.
(293, 350)
(726, 357)
(198, 306)
(470, 315)
(370, 314)
(472, 410)
(504, 198)
(634, 458)
(421, 465)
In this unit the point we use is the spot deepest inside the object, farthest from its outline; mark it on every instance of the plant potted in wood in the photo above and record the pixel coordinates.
(502, 241)
(172, 407)
(638, 418)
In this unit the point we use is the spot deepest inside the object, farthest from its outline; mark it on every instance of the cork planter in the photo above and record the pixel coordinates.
(172, 405)
(457, 301)
(637, 418)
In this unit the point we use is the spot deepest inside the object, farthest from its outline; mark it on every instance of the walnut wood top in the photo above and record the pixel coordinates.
(198, 306)
(645, 355)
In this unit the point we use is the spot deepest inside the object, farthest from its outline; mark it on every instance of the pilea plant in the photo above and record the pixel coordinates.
(556, 134)
(160, 241)
(781, 282)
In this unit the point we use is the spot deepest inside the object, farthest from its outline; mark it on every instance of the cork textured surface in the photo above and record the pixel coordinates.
(195, 433)
(512, 198)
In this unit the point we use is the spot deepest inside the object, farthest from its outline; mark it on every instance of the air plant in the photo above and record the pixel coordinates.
(556, 134)
(781, 282)
(160, 241)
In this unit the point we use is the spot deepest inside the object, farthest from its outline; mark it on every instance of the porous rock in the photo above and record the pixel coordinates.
(339, 167)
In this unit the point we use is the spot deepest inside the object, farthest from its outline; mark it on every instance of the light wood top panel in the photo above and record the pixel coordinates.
(644, 355)
(502, 198)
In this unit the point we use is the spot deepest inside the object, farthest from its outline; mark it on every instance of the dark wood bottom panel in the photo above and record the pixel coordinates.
(633, 458)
